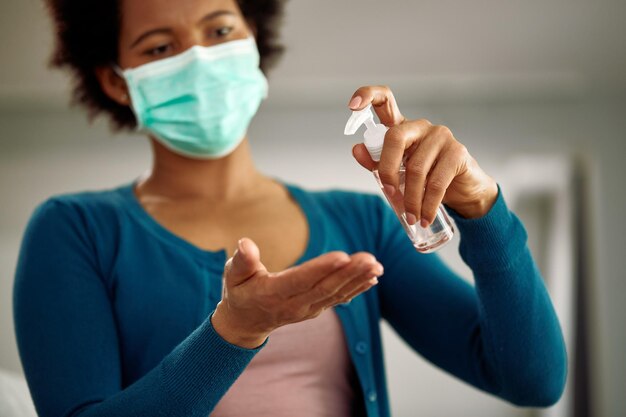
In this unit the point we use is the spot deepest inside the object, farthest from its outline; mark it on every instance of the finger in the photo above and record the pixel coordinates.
(354, 288)
(418, 167)
(345, 297)
(398, 140)
(244, 263)
(383, 102)
(442, 175)
(395, 199)
(300, 279)
(372, 282)
(369, 272)
(362, 156)
(362, 268)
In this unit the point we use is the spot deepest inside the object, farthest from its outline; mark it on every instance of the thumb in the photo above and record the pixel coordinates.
(244, 264)
(362, 156)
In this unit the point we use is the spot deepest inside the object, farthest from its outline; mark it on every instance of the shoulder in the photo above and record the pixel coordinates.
(80, 205)
(84, 226)
(86, 216)
(89, 200)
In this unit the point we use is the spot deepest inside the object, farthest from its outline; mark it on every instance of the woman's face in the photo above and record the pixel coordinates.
(156, 29)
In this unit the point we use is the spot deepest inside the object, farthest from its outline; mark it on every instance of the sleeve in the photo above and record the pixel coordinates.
(500, 335)
(68, 343)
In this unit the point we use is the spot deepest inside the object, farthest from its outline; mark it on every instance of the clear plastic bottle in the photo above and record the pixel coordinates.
(424, 240)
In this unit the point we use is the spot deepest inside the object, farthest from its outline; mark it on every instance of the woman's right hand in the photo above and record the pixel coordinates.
(255, 302)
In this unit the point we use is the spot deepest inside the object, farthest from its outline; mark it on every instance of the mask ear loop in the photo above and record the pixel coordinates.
(120, 73)
(116, 68)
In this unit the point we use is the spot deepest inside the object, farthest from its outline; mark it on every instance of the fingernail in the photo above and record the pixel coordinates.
(240, 247)
(411, 219)
(390, 190)
(373, 281)
(424, 223)
(355, 102)
(341, 262)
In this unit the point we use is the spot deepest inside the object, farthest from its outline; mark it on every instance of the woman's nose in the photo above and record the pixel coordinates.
(190, 39)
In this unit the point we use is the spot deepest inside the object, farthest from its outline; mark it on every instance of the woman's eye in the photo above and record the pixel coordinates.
(223, 31)
(159, 50)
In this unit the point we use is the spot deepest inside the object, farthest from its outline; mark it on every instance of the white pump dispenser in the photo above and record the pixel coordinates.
(427, 239)
(374, 135)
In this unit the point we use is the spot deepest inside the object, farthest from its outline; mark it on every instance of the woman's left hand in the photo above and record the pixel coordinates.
(438, 167)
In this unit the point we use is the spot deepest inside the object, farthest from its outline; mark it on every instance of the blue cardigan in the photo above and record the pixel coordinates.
(112, 310)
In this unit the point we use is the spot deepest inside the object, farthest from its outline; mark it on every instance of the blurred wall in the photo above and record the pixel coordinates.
(507, 80)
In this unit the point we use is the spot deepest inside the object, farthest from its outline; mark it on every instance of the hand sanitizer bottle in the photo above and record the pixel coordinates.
(427, 239)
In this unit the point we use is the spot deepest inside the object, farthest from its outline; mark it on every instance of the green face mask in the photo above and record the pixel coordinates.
(199, 103)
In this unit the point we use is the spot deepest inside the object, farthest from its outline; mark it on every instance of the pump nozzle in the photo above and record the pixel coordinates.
(357, 119)
(374, 135)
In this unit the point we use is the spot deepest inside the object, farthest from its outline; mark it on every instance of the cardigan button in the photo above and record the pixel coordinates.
(371, 396)
(361, 348)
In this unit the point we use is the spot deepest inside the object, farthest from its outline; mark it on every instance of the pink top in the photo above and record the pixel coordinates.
(304, 370)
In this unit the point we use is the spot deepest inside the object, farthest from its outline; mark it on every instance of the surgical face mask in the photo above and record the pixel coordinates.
(199, 103)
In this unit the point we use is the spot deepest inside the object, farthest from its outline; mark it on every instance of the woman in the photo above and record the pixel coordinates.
(125, 303)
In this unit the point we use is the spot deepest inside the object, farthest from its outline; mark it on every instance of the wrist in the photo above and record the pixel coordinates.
(481, 204)
(228, 329)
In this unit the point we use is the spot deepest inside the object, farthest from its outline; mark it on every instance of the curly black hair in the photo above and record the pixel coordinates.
(87, 34)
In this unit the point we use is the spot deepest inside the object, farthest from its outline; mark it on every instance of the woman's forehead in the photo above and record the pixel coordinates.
(140, 16)
(164, 12)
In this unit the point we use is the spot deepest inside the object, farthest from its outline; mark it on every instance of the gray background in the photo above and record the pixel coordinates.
(509, 78)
